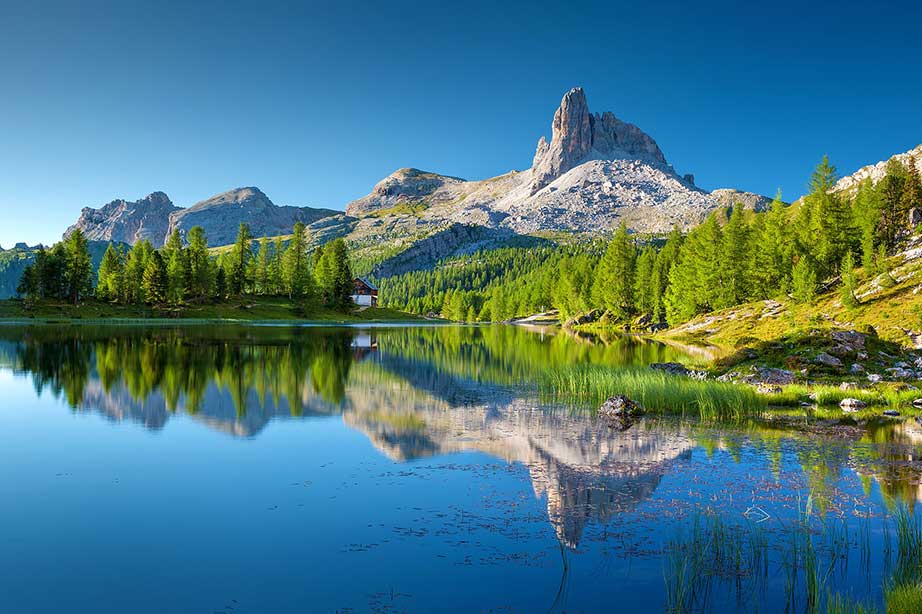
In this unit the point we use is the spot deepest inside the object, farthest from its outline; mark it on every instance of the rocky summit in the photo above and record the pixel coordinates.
(595, 172)
(127, 221)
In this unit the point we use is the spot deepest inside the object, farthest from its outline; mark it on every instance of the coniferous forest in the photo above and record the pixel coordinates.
(183, 272)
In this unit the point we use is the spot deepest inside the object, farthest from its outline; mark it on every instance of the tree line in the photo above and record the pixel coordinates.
(734, 256)
(185, 271)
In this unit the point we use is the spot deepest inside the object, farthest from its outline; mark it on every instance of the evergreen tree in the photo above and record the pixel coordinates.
(613, 287)
(771, 267)
(665, 260)
(644, 300)
(867, 217)
(154, 282)
(198, 263)
(911, 196)
(803, 283)
(849, 282)
(262, 269)
(174, 258)
(135, 264)
(29, 283)
(339, 280)
(276, 283)
(240, 255)
(110, 277)
(295, 270)
(833, 219)
(892, 216)
(220, 282)
(733, 263)
(78, 267)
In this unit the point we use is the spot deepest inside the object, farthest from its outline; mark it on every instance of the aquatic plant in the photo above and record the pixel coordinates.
(656, 391)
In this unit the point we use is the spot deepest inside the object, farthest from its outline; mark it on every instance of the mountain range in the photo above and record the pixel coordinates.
(596, 172)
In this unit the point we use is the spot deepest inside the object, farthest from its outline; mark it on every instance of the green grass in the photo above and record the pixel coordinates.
(244, 309)
(906, 599)
(887, 395)
(656, 391)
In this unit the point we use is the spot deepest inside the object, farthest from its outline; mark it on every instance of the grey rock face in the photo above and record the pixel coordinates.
(578, 136)
(127, 221)
(220, 216)
(828, 360)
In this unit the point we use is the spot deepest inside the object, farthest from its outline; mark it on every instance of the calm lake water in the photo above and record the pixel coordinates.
(410, 469)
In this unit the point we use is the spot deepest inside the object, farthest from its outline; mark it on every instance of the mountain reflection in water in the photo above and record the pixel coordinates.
(442, 392)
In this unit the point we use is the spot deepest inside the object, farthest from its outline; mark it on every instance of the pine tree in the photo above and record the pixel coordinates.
(892, 215)
(340, 286)
(803, 283)
(174, 258)
(135, 264)
(771, 262)
(154, 281)
(643, 280)
(110, 277)
(262, 269)
(240, 255)
(198, 263)
(78, 268)
(849, 282)
(911, 197)
(733, 262)
(613, 287)
(833, 219)
(867, 216)
(295, 271)
(276, 283)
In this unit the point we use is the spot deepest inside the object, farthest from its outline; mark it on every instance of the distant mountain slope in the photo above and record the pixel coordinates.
(596, 172)
(155, 217)
(222, 215)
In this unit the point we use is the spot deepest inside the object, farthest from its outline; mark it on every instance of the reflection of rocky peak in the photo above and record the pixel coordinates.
(586, 470)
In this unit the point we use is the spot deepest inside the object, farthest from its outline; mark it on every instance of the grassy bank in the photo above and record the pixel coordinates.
(251, 309)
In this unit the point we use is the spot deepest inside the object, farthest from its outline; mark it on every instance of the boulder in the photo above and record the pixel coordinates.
(848, 386)
(677, 368)
(763, 388)
(902, 374)
(856, 369)
(874, 378)
(917, 403)
(828, 360)
(891, 413)
(620, 412)
(852, 405)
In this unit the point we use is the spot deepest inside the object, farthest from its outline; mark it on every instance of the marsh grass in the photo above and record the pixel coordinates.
(658, 392)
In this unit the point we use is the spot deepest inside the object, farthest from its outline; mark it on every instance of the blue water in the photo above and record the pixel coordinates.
(419, 473)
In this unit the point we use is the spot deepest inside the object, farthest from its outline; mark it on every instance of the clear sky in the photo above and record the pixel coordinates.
(316, 102)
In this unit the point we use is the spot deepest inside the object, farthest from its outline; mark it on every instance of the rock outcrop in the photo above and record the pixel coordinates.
(127, 221)
(406, 185)
(878, 171)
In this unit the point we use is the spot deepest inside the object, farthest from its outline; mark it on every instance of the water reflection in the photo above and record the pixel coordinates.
(424, 391)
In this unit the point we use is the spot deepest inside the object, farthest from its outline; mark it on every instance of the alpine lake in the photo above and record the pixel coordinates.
(420, 468)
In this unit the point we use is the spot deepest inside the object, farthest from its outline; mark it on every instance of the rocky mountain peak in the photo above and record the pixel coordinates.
(127, 221)
(578, 135)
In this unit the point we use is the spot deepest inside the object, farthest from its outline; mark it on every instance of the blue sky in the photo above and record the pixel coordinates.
(314, 103)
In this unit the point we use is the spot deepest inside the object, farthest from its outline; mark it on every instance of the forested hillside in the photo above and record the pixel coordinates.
(735, 256)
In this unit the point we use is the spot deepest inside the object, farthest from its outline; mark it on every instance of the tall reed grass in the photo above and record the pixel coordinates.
(658, 392)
